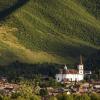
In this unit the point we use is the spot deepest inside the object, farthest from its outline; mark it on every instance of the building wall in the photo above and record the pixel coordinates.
(59, 77)
(70, 77)
(80, 68)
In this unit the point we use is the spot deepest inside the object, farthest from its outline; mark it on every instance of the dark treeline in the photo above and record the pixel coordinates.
(4, 13)
(18, 69)
(93, 61)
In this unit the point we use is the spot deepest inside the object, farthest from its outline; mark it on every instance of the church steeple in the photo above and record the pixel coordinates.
(81, 66)
(65, 67)
(81, 60)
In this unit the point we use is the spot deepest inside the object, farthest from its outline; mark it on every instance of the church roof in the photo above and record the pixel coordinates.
(69, 71)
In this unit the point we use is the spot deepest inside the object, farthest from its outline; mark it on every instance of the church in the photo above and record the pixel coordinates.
(66, 74)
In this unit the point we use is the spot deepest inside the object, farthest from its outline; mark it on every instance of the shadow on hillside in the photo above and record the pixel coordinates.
(93, 61)
(29, 71)
(12, 8)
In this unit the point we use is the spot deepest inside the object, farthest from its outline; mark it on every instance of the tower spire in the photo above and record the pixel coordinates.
(65, 67)
(81, 60)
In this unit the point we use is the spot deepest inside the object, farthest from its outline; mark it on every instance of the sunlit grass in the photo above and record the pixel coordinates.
(55, 31)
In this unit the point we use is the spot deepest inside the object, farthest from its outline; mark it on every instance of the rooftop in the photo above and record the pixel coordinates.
(69, 71)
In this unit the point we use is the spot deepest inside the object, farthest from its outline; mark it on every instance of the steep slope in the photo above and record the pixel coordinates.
(56, 31)
(92, 6)
(4, 4)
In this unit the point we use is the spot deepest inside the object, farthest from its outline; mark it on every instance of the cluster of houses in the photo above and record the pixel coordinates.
(76, 88)
(71, 78)
(7, 88)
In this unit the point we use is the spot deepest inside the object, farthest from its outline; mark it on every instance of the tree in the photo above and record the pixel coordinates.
(15, 95)
(52, 98)
(85, 97)
(77, 97)
(43, 92)
(65, 97)
(60, 97)
(27, 93)
(35, 97)
(95, 96)
(37, 88)
(6, 98)
(1, 97)
(20, 98)
(52, 82)
(82, 97)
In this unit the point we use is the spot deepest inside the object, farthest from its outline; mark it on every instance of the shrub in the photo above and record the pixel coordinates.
(82, 97)
(65, 97)
(95, 96)
(52, 98)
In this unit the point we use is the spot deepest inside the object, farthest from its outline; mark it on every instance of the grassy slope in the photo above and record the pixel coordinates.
(92, 6)
(6, 4)
(56, 31)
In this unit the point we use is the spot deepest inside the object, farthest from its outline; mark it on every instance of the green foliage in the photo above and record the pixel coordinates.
(1, 97)
(93, 62)
(4, 4)
(85, 97)
(18, 71)
(65, 97)
(25, 93)
(95, 96)
(35, 97)
(15, 95)
(74, 97)
(60, 97)
(82, 97)
(43, 92)
(52, 82)
(55, 31)
(52, 98)
(6, 98)
(37, 90)
(92, 6)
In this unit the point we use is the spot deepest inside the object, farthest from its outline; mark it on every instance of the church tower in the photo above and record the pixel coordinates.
(81, 66)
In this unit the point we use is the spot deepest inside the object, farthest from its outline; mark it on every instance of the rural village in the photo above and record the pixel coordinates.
(71, 81)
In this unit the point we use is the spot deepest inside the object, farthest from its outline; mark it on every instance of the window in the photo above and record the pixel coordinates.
(58, 78)
(71, 79)
(81, 72)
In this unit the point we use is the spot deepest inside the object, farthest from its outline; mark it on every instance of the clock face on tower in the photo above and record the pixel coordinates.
(80, 66)
(81, 72)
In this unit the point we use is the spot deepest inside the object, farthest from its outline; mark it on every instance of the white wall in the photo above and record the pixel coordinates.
(71, 77)
(59, 77)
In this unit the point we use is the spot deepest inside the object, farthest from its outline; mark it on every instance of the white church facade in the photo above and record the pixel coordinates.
(66, 74)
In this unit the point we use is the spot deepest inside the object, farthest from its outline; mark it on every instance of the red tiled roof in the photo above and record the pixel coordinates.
(70, 71)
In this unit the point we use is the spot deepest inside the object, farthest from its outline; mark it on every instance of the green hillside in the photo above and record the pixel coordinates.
(54, 31)
(92, 6)
(5, 4)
